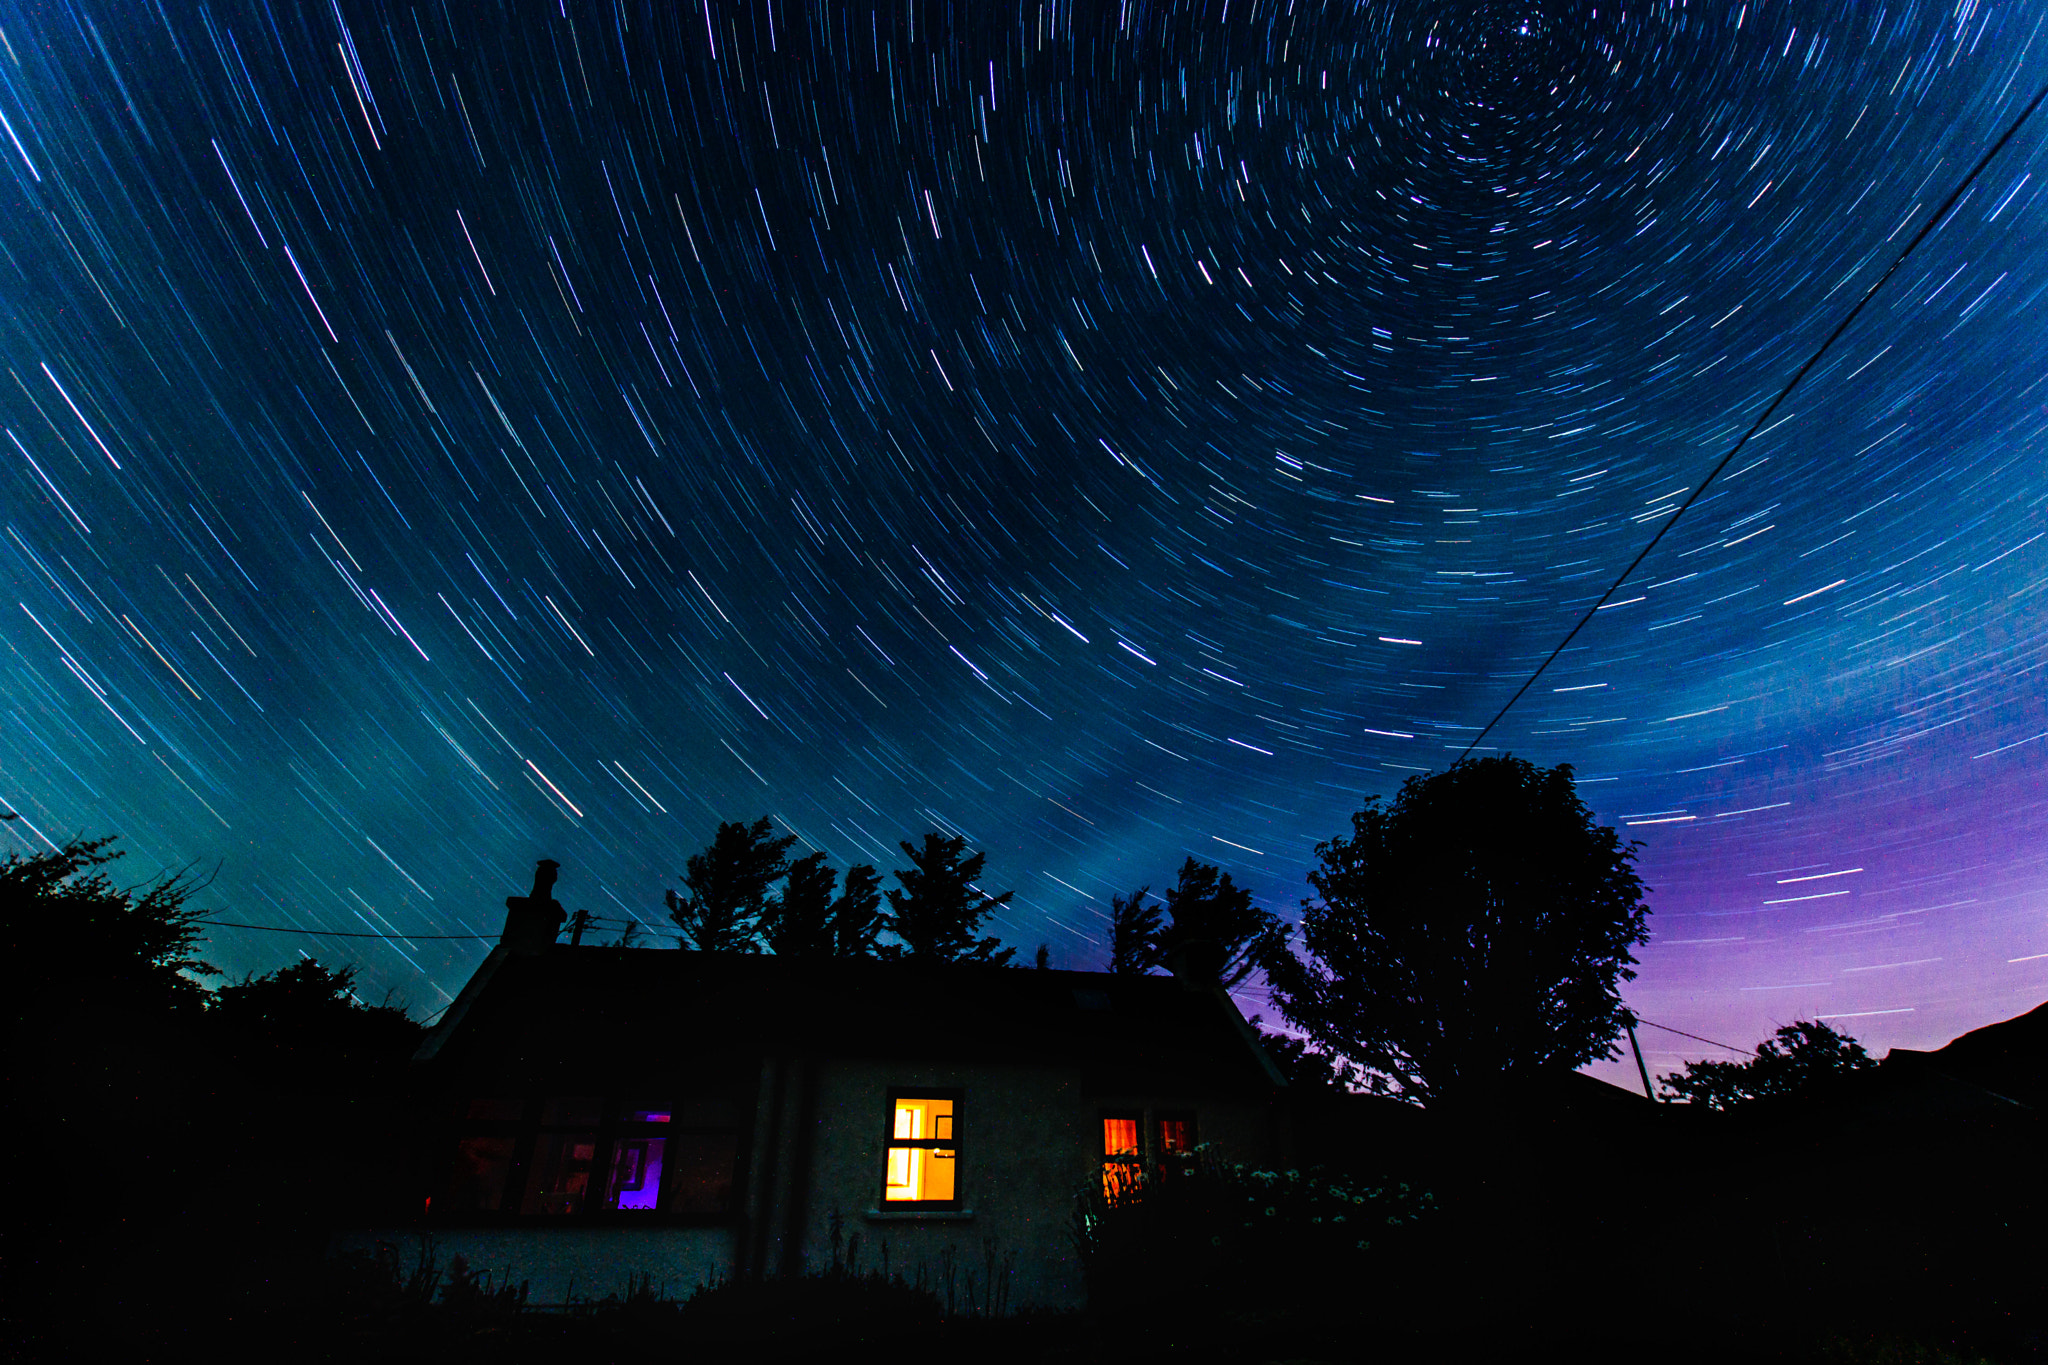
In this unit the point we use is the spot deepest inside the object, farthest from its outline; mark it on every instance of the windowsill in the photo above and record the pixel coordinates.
(919, 1215)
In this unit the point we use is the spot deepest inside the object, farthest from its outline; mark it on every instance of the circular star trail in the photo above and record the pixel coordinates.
(439, 438)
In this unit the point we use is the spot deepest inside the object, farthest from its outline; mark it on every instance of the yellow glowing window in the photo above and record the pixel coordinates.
(922, 1157)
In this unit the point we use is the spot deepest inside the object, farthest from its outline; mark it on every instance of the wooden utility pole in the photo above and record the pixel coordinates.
(1628, 1021)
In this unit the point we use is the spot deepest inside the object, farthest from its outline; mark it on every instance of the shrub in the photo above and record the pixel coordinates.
(1211, 1236)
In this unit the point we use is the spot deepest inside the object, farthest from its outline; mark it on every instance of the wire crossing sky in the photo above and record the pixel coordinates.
(436, 439)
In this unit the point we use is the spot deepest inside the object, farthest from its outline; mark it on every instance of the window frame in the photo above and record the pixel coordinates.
(890, 1142)
(611, 1129)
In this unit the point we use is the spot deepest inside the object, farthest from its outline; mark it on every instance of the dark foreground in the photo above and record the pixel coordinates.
(1901, 1221)
(1769, 1244)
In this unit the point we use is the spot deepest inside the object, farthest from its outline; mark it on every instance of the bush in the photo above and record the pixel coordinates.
(1212, 1236)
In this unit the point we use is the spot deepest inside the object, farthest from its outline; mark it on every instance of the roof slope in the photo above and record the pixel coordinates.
(603, 1012)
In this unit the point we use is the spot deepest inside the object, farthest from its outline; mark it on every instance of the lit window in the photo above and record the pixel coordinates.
(637, 1151)
(1176, 1135)
(922, 1156)
(569, 1157)
(1123, 1165)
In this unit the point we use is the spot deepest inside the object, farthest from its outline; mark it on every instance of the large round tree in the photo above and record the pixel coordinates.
(1468, 935)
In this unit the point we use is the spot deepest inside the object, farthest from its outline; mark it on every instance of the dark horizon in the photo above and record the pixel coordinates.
(437, 442)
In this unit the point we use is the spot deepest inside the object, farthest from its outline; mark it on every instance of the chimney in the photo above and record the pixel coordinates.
(533, 920)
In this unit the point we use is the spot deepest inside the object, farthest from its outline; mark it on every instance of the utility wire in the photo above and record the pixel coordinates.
(346, 933)
(334, 933)
(1746, 1052)
(1932, 223)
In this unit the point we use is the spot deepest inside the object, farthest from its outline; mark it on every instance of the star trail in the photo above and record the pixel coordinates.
(437, 438)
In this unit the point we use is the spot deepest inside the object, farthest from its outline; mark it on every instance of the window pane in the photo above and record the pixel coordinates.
(939, 1165)
(1176, 1135)
(1120, 1176)
(636, 1114)
(921, 1173)
(561, 1173)
(636, 1174)
(1120, 1137)
(576, 1113)
(916, 1118)
(495, 1111)
(477, 1183)
(699, 1172)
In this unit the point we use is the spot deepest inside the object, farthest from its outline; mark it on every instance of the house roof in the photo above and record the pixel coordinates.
(611, 1014)
(2008, 1059)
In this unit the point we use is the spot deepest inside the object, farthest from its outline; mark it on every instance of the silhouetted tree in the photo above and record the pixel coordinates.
(64, 920)
(1468, 934)
(799, 920)
(1303, 1066)
(728, 888)
(1207, 911)
(939, 911)
(857, 919)
(305, 1019)
(1134, 934)
(1803, 1056)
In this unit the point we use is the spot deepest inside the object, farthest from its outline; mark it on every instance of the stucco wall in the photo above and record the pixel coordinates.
(589, 1262)
(1029, 1139)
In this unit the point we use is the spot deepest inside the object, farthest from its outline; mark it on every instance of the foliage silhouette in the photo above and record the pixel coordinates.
(939, 911)
(305, 1018)
(1799, 1060)
(60, 912)
(1304, 1067)
(1134, 934)
(1208, 912)
(798, 922)
(857, 918)
(728, 888)
(1466, 935)
(1204, 1234)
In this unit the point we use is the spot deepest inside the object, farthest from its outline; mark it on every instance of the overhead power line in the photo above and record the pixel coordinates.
(334, 933)
(1744, 1051)
(1947, 206)
(350, 933)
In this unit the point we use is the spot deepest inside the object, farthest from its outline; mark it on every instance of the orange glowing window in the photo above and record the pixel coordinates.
(923, 1159)
(1123, 1166)
(1176, 1134)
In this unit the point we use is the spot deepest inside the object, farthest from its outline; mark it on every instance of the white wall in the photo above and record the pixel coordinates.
(588, 1262)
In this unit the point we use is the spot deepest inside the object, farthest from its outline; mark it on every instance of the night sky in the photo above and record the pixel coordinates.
(435, 441)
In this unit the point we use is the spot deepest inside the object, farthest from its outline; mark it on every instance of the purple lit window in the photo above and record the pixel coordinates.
(636, 1174)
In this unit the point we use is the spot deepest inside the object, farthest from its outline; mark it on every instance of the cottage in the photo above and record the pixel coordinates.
(600, 1113)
